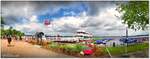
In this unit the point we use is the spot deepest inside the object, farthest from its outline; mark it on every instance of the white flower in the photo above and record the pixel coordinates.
(81, 53)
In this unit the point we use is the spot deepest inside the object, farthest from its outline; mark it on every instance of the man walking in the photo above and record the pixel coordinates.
(9, 39)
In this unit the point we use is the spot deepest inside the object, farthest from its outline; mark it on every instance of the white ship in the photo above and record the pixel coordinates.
(79, 36)
(82, 35)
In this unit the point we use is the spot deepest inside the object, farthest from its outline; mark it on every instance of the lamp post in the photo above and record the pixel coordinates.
(126, 52)
(126, 38)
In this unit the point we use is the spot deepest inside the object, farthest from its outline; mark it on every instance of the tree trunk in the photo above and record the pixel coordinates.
(41, 41)
(37, 40)
(20, 38)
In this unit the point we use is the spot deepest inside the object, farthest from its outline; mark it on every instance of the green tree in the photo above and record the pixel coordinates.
(20, 34)
(2, 27)
(9, 31)
(2, 22)
(17, 33)
(135, 14)
(13, 32)
(39, 37)
(2, 33)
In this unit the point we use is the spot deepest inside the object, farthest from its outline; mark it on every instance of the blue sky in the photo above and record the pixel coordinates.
(70, 10)
(66, 18)
(74, 10)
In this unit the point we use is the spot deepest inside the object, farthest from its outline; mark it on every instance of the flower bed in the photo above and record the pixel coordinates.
(76, 49)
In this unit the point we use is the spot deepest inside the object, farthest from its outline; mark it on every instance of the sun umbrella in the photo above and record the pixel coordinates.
(99, 41)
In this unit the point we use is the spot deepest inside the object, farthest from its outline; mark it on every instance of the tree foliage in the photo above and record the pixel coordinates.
(135, 14)
(12, 32)
(2, 22)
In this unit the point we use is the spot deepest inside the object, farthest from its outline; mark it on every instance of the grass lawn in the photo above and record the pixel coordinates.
(130, 48)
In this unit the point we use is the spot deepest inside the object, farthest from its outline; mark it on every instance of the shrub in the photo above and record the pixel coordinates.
(45, 43)
(71, 49)
(98, 51)
(32, 41)
(80, 47)
(53, 45)
(94, 42)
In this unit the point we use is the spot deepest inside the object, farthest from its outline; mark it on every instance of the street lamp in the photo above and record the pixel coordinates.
(126, 31)
(126, 54)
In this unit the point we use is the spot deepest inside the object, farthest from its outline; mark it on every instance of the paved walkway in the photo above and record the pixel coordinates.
(25, 50)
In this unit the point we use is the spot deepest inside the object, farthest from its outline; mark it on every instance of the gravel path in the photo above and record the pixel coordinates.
(21, 49)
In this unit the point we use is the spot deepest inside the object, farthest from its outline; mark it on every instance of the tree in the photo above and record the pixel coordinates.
(39, 36)
(12, 32)
(2, 20)
(2, 32)
(2, 25)
(20, 34)
(15, 33)
(135, 14)
(9, 31)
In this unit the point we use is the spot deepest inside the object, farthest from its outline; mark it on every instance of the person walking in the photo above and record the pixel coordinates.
(9, 39)
(114, 44)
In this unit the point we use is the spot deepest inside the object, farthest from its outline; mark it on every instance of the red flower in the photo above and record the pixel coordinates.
(89, 51)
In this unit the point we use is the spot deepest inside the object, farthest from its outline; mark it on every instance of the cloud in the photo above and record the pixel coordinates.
(31, 25)
(12, 11)
(17, 10)
(69, 23)
(33, 18)
(97, 18)
(106, 20)
(98, 6)
(103, 24)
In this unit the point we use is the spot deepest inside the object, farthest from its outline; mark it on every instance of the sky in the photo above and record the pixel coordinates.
(66, 17)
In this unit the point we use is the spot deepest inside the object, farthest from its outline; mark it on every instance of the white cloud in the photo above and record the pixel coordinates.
(30, 25)
(23, 9)
(33, 18)
(103, 23)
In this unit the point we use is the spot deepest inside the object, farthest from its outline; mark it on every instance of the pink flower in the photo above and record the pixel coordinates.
(89, 51)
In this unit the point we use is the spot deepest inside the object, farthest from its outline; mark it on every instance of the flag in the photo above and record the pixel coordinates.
(46, 22)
